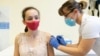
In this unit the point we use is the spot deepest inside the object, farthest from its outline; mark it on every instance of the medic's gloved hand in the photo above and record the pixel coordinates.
(54, 42)
(61, 40)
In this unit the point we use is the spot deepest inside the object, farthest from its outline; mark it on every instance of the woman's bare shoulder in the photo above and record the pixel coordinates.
(48, 35)
(18, 36)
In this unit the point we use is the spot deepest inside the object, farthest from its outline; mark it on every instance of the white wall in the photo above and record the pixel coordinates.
(50, 20)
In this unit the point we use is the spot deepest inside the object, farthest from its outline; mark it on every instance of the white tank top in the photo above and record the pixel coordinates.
(29, 46)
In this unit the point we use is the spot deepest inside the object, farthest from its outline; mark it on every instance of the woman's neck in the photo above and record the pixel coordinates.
(32, 33)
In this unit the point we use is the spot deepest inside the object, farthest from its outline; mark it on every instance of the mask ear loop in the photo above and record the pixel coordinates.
(71, 10)
(75, 19)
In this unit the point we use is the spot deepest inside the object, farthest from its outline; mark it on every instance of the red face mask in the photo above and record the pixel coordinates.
(32, 25)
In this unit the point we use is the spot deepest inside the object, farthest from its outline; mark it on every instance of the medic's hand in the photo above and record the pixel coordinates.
(54, 42)
(61, 40)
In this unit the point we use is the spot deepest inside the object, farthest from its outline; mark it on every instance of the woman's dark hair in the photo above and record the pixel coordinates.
(23, 14)
(71, 5)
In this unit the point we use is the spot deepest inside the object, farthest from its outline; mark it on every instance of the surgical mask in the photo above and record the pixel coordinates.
(32, 25)
(70, 22)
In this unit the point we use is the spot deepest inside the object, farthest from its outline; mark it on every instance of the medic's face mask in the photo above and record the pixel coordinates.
(68, 20)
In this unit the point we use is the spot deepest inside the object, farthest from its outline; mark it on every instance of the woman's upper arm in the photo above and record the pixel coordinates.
(49, 47)
(16, 47)
(50, 50)
(85, 45)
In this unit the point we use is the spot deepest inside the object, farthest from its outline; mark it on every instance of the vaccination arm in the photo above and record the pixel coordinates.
(16, 49)
(61, 41)
(50, 50)
(81, 50)
(49, 47)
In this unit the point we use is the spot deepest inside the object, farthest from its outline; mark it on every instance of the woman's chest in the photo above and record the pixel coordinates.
(33, 46)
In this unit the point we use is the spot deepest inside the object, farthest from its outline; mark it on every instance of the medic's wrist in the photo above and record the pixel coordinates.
(59, 47)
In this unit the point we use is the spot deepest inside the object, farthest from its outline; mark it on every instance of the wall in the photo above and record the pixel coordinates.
(50, 20)
(4, 28)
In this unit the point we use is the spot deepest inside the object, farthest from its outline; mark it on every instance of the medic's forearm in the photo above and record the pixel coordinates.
(72, 45)
(71, 50)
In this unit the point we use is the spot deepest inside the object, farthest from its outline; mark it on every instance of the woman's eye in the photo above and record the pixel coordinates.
(36, 17)
(30, 18)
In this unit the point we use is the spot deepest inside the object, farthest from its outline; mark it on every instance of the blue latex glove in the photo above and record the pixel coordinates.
(61, 40)
(54, 42)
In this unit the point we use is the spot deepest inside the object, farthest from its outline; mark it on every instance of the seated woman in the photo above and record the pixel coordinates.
(33, 42)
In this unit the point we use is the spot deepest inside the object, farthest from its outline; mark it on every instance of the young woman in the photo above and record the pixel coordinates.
(89, 30)
(32, 42)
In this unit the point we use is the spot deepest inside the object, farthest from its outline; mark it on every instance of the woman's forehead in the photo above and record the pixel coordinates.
(31, 12)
